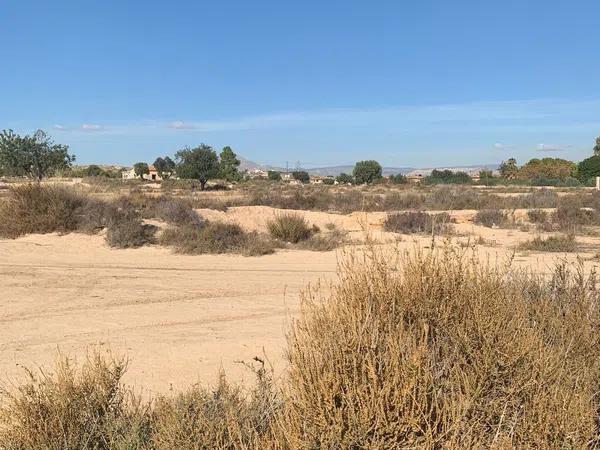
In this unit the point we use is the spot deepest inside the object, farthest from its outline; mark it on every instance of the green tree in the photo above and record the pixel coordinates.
(447, 177)
(200, 163)
(229, 164)
(141, 169)
(35, 156)
(93, 171)
(597, 146)
(273, 175)
(164, 166)
(589, 168)
(548, 168)
(398, 179)
(301, 175)
(367, 171)
(344, 178)
(509, 169)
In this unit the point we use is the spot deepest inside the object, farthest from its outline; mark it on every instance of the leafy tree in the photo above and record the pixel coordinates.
(509, 169)
(486, 174)
(141, 169)
(597, 146)
(548, 168)
(328, 181)
(367, 171)
(200, 163)
(398, 179)
(164, 166)
(273, 175)
(93, 171)
(301, 175)
(229, 164)
(344, 178)
(589, 168)
(447, 177)
(35, 156)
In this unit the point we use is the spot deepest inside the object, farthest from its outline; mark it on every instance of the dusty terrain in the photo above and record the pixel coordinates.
(179, 319)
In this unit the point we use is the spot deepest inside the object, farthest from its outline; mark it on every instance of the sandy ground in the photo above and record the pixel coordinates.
(178, 318)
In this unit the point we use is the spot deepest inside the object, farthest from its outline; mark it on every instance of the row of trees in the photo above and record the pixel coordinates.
(37, 156)
(199, 163)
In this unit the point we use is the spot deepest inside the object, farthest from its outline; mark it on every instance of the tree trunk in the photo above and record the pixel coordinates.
(202, 184)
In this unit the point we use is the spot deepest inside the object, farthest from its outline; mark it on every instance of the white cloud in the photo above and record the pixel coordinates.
(90, 127)
(552, 148)
(179, 125)
(58, 127)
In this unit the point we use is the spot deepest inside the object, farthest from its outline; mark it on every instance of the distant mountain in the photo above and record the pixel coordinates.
(246, 164)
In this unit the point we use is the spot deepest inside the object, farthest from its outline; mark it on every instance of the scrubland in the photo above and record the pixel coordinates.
(272, 316)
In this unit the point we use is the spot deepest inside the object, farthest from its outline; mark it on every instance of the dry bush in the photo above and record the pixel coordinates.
(570, 217)
(216, 237)
(324, 241)
(538, 216)
(491, 218)
(33, 208)
(418, 222)
(558, 243)
(289, 227)
(74, 409)
(442, 351)
(127, 230)
(225, 417)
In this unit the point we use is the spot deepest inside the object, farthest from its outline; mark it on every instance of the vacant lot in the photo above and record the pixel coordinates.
(181, 318)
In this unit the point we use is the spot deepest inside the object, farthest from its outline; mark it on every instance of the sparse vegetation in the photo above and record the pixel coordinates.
(289, 227)
(558, 243)
(537, 216)
(491, 218)
(418, 222)
(421, 350)
(32, 208)
(215, 237)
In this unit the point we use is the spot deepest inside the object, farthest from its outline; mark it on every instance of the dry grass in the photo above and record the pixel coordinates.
(216, 237)
(289, 227)
(491, 218)
(33, 208)
(558, 243)
(409, 350)
(445, 353)
(418, 222)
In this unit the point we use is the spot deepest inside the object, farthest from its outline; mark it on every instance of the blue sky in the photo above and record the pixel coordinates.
(321, 82)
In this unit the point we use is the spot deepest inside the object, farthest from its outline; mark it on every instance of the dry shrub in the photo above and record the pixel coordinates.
(33, 208)
(558, 243)
(74, 409)
(225, 417)
(538, 216)
(216, 237)
(570, 217)
(442, 351)
(127, 230)
(289, 227)
(418, 222)
(491, 218)
(324, 241)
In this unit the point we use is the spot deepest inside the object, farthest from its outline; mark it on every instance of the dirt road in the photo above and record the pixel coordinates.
(178, 318)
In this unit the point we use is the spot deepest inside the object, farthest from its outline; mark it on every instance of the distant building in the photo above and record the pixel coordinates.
(257, 174)
(152, 174)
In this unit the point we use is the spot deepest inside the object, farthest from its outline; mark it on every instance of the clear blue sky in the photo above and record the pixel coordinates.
(321, 82)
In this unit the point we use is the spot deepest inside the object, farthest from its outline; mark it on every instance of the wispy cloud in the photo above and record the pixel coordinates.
(179, 125)
(553, 148)
(58, 127)
(91, 127)
(500, 146)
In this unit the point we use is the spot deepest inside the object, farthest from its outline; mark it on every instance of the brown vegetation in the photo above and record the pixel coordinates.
(418, 350)
(418, 222)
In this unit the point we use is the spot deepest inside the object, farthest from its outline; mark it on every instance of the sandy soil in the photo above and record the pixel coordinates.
(180, 318)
